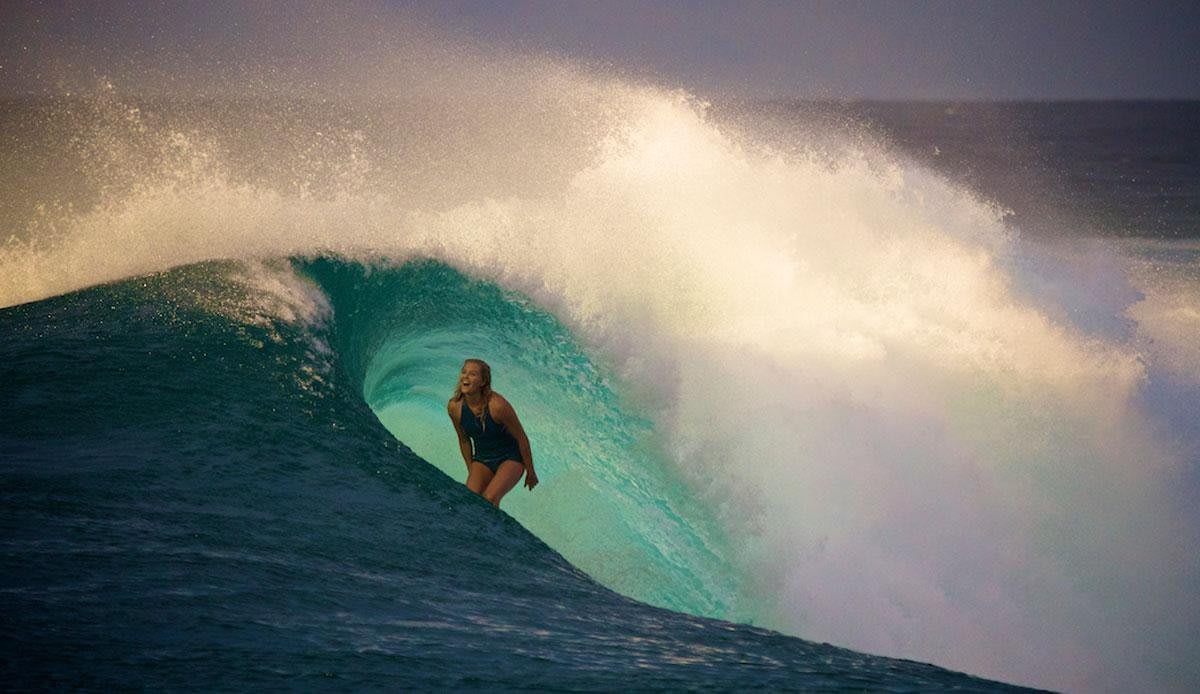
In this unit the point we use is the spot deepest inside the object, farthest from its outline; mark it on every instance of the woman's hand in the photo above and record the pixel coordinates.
(531, 479)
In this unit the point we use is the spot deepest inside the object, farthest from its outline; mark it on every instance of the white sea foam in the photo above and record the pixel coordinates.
(919, 449)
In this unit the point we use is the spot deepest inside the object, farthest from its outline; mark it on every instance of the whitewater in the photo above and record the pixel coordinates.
(795, 381)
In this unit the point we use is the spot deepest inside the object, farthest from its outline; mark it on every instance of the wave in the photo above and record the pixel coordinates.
(196, 491)
(614, 505)
(817, 388)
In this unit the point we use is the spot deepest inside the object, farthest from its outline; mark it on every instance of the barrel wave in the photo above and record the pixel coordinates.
(615, 507)
(778, 371)
(196, 491)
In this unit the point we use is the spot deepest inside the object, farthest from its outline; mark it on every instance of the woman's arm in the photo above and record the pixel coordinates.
(505, 414)
(464, 443)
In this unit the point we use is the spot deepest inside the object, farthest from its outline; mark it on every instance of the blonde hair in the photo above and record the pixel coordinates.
(485, 372)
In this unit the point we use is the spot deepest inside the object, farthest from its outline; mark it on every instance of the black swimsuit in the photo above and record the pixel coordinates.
(490, 441)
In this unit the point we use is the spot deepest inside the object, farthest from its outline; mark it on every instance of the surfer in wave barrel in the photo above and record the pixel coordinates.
(493, 443)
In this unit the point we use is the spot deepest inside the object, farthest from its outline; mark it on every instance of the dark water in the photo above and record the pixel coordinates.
(191, 500)
(230, 328)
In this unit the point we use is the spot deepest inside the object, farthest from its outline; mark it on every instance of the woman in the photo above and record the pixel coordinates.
(490, 436)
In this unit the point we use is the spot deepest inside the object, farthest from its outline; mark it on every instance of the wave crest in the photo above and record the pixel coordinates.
(850, 360)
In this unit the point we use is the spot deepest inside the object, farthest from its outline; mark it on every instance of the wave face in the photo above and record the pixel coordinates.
(783, 377)
(615, 504)
(196, 492)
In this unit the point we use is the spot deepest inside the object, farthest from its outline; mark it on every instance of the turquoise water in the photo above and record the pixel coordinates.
(196, 493)
(613, 505)
(917, 380)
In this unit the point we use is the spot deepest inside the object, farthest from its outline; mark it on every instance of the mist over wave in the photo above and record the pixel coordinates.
(921, 438)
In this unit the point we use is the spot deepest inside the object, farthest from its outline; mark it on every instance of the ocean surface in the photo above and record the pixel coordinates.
(917, 380)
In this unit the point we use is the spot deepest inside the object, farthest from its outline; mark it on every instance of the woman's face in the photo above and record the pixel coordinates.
(470, 379)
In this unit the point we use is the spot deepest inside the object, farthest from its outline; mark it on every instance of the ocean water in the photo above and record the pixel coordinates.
(917, 380)
(197, 494)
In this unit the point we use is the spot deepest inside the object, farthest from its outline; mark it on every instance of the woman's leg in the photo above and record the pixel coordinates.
(506, 477)
(478, 477)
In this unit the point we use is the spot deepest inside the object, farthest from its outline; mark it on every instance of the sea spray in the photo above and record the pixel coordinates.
(856, 367)
(183, 506)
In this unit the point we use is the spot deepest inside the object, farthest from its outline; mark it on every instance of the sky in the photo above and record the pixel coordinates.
(849, 49)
